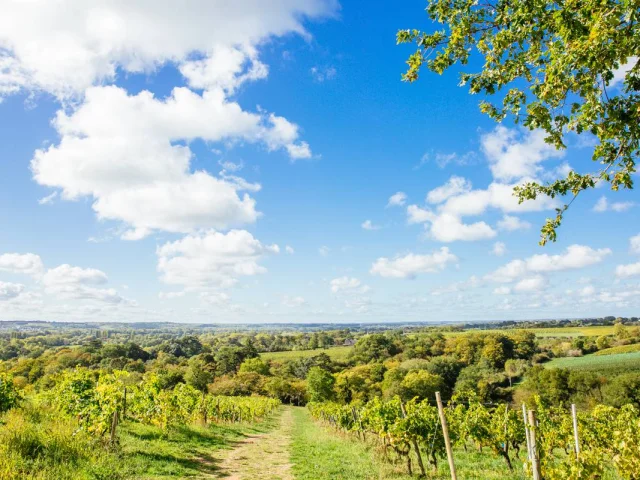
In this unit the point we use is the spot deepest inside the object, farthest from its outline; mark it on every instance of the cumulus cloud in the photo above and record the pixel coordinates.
(398, 199)
(531, 284)
(603, 205)
(446, 227)
(27, 263)
(369, 225)
(574, 257)
(629, 270)
(65, 47)
(512, 223)
(410, 265)
(347, 284)
(454, 186)
(634, 244)
(322, 74)
(124, 151)
(70, 282)
(9, 291)
(514, 154)
(289, 250)
(293, 302)
(212, 259)
(499, 249)
(324, 251)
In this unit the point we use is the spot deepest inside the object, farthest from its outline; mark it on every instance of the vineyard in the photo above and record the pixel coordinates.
(100, 400)
(608, 438)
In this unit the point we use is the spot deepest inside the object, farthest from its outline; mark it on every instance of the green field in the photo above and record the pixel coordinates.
(621, 349)
(336, 353)
(605, 364)
(569, 332)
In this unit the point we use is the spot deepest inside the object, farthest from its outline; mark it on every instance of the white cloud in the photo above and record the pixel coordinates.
(398, 199)
(449, 228)
(289, 250)
(9, 291)
(603, 205)
(65, 47)
(347, 284)
(324, 251)
(634, 244)
(226, 67)
(368, 225)
(293, 302)
(511, 223)
(68, 275)
(502, 291)
(499, 249)
(27, 264)
(443, 159)
(574, 257)
(630, 270)
(122, 151)
(322, 74)
(454, 186)
(230, 166)
(410, 265)
(515, 154)
(531, 284)
(69, 282)
(211, 259)
(587, 291)
(620, 73)
(48, 200)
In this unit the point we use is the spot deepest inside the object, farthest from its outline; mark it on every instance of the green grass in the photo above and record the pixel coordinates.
(635, 347)
(336, 353)
(40, 445)
(319, 453)
(606, 364)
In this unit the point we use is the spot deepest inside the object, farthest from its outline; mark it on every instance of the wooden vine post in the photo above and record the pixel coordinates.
(574, 416)
(527, 433)
(445, 433)
(114, 426)
(415, 444)
(535, 459)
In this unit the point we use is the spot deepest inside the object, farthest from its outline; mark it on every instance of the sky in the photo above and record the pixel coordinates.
(241, 162)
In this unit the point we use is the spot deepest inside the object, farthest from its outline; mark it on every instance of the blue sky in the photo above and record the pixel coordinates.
(228, 164)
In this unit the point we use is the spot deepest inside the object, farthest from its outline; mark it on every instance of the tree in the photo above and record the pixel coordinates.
(421, 384)
(559, 62)
(320, 385)
(9, 396)
(515, 368)
(200, 373)
(374, 347)
(255, 365)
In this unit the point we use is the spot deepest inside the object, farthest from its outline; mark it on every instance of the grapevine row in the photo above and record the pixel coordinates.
(98, 401)
(609, 437)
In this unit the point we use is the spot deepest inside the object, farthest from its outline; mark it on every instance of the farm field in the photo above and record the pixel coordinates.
(336, 353)
(605, 364)
(569, 332)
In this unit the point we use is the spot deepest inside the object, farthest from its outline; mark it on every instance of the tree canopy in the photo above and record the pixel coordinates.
(557, 65)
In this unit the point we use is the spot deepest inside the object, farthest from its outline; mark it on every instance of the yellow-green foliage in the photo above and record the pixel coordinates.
(40, 445)
(336, 353)
(621, 349)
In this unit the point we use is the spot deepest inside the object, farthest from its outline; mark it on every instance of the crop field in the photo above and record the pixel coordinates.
(336, 353)
(605, 364)
(621, 349)
(569, 332)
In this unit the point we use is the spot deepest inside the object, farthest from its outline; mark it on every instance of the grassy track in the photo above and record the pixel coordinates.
(605, 364)
(322, 454)
(336, 353)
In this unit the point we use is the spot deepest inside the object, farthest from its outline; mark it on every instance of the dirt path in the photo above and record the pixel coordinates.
(263, 456)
